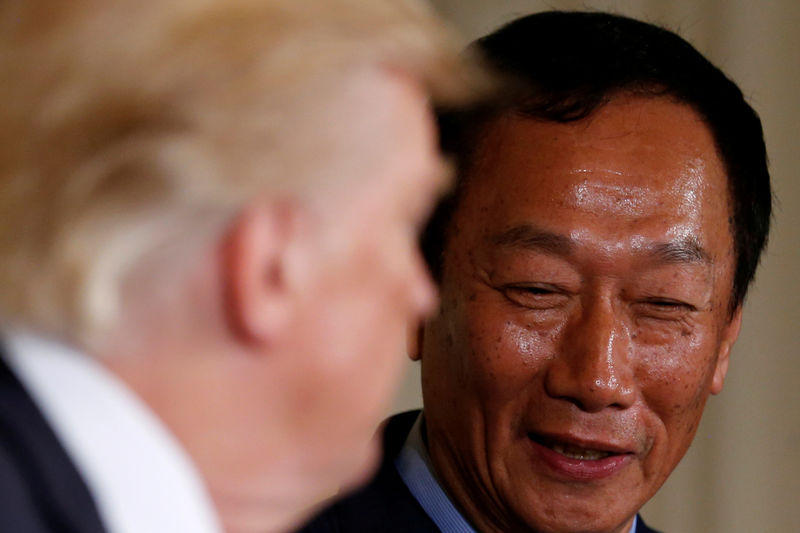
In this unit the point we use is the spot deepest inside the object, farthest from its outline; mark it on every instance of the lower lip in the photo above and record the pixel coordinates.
(580, 469)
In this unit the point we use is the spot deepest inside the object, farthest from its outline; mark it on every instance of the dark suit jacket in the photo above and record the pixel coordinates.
(386, 505)
(40, 489)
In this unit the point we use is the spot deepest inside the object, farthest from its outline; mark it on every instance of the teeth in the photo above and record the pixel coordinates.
(579, 453)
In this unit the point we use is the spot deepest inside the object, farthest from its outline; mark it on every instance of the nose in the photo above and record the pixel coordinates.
(422, 293)
(592, 367)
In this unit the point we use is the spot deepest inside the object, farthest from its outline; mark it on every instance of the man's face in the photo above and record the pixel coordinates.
(369, 281)
(351, 281)
(584, 316)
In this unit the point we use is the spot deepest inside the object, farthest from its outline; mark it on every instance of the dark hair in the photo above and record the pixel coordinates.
(562, 66)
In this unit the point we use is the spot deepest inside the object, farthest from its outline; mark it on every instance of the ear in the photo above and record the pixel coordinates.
(415, 335)
(257, 293)
(729, 336)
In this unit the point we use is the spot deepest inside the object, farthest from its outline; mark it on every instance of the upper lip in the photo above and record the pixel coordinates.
(581, 442)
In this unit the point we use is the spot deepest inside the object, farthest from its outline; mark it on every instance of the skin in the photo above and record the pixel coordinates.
(585, 302)
(279, 352)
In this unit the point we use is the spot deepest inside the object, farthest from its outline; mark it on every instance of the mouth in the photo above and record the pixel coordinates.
(571, 450)
(576, 459)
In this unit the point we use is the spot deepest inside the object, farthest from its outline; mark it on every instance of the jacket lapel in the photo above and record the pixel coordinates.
(40, 488)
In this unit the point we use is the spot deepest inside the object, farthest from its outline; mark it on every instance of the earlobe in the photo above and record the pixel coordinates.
(257, 298)
(730, 335)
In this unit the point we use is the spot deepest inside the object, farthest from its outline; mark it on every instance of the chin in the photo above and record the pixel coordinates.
(363, 466)
(595, 520)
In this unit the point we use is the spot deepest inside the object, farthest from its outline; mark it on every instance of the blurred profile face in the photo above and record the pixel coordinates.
(369, 282)
(289, 361)
(584, 317)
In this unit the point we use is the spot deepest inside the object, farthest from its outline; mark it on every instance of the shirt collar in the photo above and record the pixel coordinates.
(414, 465)
(415, 468)
(140, 477)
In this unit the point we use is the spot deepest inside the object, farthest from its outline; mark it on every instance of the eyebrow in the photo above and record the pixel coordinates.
(530, 237)
(683, 251)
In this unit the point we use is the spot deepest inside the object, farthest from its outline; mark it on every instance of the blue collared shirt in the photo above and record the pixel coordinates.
(416, 470)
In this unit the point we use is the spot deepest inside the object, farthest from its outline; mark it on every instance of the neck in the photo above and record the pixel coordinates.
(278, 514)
(251, 458)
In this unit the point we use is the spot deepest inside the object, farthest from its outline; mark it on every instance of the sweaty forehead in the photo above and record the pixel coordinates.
(623, 136)
(639, 170)
(631, 153)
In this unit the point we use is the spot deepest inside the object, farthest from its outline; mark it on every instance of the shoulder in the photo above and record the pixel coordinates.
(385, 504)
(641, 527)
(41, 488)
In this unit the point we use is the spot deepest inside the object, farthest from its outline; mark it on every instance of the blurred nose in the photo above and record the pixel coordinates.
(592, 367)
(423, 294)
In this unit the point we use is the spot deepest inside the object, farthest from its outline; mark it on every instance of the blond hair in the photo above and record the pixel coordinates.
(128, 120)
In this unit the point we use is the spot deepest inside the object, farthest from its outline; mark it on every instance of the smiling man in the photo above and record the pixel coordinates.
(592, 263)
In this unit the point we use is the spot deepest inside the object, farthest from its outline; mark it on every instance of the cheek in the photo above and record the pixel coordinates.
(674, 380)
(392, 265)
(375, 282)
(504, 353)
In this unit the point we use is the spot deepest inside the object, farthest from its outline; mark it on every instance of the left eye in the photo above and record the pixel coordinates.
(665, 303)
(666, 308)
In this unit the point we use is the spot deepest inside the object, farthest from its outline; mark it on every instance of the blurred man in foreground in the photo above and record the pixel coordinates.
(593, 262)
(208, 214)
